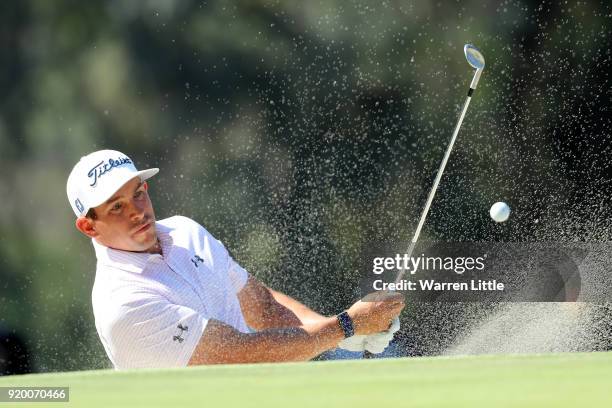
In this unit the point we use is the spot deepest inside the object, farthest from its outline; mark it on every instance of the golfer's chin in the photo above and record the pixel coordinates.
(144, 241)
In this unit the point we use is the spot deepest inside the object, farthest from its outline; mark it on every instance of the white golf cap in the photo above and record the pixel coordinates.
(97, 176)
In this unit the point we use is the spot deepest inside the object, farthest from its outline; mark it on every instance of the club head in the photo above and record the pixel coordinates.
(474, 57)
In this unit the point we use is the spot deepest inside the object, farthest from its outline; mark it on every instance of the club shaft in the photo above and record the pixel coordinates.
(434, 188)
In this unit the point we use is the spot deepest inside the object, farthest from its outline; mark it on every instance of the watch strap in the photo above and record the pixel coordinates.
(346, 324)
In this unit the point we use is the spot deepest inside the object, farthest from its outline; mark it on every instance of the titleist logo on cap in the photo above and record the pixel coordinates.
(103, 167)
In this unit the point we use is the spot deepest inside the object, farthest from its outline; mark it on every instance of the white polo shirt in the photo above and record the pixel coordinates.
(151, 310)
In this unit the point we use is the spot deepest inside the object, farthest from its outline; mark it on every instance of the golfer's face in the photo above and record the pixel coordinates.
(127, 221)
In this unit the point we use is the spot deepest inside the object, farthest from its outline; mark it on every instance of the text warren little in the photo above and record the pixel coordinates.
(433, 285)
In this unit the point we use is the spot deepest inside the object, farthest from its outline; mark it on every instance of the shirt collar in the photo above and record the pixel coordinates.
(133, 261)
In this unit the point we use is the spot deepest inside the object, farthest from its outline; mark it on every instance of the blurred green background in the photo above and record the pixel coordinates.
(295, 132)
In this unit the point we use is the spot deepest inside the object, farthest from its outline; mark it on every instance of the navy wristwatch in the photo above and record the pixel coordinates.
(346, 323)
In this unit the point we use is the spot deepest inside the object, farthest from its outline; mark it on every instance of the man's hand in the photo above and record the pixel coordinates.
(375, 312)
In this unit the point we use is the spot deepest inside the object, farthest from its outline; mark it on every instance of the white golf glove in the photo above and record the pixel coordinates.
(374, 343)
(377, 343)
(353, 343)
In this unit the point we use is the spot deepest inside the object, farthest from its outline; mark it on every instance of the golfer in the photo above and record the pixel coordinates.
(167, 293)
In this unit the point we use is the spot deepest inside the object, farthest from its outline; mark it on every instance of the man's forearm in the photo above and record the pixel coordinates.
(222, 344)
(305, 314)
(264, 308)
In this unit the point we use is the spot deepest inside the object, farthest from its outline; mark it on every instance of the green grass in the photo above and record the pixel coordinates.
(551, 380)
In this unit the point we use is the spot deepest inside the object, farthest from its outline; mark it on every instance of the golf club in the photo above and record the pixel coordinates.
(476, 60)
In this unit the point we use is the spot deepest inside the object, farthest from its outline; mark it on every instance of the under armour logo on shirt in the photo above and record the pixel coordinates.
(178, 336)
(196, 260)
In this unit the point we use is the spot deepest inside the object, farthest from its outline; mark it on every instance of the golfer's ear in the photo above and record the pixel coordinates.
(145, 185)
(86, 226)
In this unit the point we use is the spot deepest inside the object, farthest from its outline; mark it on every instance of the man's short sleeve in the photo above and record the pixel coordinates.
(237, 274)
(153, 333)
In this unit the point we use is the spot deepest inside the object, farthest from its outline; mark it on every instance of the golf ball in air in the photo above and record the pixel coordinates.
(499, 212)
